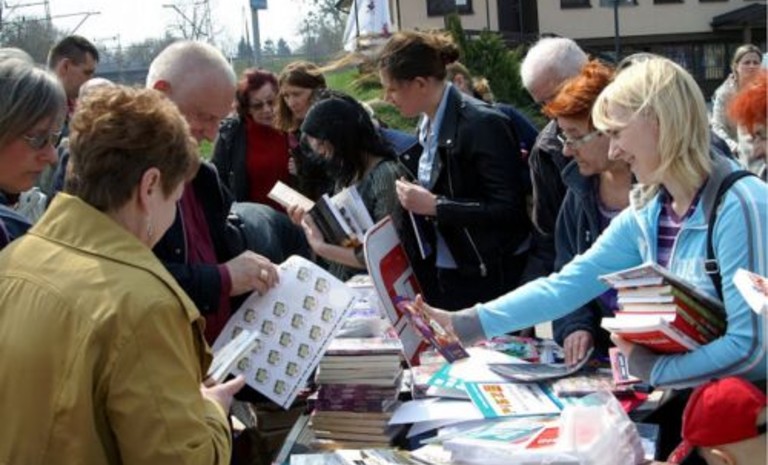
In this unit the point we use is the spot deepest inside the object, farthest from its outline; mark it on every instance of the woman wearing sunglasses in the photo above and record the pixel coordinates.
(655, 117)
(598, 190)
(32, 107)
(250, 153)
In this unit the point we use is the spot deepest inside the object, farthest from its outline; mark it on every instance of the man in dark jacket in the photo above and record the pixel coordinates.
(203, 250)
(549, 63)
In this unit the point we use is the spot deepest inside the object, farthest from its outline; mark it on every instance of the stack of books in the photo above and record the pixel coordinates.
(663, 312)
(359, 383)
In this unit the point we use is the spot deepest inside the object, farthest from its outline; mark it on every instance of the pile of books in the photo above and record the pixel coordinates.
(663, 312)
(359, 383)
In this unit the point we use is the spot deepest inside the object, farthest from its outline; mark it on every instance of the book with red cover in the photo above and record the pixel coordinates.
(658, 335)
(620, 368)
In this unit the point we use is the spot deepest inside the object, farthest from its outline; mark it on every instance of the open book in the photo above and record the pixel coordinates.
(342, 219)
(662, 312)
(287, 331)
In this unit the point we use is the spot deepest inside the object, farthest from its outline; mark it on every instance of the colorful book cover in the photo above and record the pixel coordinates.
(620, 368)
(511, 400)
(440, 338)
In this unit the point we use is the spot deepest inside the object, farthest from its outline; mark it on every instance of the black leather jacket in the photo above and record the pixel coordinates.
(229, 157)
(481, 202)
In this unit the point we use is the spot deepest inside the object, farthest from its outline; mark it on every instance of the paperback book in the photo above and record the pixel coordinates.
(663, 312)
(294, 322)
(445, 342)
(342, 219)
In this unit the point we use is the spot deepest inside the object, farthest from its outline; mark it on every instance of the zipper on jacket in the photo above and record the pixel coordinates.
(481, 262)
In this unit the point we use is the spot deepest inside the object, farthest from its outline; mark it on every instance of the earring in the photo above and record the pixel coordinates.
(150, 228)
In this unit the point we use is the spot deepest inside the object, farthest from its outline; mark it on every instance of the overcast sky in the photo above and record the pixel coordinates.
(135, 20)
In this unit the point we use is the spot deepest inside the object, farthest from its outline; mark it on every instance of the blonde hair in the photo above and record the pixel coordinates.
(659, 89)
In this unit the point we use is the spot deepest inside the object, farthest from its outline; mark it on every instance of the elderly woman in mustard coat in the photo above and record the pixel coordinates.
(103, 356)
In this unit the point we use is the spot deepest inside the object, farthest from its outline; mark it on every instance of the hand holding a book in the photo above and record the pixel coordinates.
(249, 271)
(576, 345)
(624, 345)
(222, 393)
(416, 198)
(442, 317)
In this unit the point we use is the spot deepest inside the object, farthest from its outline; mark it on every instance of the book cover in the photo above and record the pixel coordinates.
(393, 279)
(296, 320)
(657, 335)
(533, 372)
(332, 224)
(445, 342)
(288, 197)
(620, 368)
(511, 400)
(754, 289)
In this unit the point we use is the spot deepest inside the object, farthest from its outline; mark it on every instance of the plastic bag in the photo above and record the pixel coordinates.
(599, 431)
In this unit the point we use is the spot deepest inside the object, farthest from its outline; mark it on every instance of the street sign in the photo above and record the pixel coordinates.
(258, 4)
(610, 3)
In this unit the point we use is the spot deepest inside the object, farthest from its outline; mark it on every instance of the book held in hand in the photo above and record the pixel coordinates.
(342, 219)
(663, 312)
(534, 372)
(440, 338)
(294, 323)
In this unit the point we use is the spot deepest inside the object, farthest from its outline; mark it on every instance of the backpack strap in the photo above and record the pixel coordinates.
(710, 264)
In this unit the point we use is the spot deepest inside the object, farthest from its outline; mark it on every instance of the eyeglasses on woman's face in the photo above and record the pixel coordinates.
(578, 141)
(42, 140)
(260, 105)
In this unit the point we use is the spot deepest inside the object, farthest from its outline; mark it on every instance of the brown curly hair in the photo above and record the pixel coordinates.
(117, 134)
(408, 55)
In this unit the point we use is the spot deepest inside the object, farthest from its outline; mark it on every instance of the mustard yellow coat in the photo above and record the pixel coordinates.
(101, 352)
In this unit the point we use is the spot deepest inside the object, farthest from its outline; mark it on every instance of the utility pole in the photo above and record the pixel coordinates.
(257, 5)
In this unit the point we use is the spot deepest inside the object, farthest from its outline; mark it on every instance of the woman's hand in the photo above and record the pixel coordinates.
(624, 346)
(416, 198)
(315, 238)
(222, 393)
(296, 214)
(576, 346)
(250, 271)
(442, 317)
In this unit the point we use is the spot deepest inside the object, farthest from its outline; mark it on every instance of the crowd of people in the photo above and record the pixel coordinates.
(123, 253)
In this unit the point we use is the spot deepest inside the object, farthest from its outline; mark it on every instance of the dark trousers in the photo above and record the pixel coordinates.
(453, 289)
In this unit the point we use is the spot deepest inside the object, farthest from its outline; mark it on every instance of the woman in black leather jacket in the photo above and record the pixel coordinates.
(466, 181)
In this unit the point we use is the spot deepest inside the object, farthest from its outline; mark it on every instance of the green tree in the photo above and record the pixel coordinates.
(283, 50)
(487, 55)
(268, 50)
(322, 29)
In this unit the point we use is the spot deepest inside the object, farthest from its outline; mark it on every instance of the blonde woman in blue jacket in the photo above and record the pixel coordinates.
(656, 119)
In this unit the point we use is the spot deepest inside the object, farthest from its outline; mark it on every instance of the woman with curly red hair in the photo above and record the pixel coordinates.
(748, 110)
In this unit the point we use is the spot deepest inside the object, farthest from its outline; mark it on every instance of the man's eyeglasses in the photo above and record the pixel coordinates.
(259, 105)
(41, 141)
(579, 141)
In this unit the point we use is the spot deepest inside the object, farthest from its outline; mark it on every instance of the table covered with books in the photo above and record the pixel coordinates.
(386, 377)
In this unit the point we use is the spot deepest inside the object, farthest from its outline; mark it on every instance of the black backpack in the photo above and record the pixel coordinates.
(710, 264)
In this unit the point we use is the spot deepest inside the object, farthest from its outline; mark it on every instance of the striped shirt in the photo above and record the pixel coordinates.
(669, 227)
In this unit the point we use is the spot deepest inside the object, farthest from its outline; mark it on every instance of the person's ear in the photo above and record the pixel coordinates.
(420, 82)
(149, 185)
(163, 86)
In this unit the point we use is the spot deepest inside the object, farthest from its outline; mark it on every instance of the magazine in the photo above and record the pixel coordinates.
(534, 372)
(295, 322)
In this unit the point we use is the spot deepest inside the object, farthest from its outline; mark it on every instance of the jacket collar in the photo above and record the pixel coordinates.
(72, 223)
(581, 185)
(450, 125)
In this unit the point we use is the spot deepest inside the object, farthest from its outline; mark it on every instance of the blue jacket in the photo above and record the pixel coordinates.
(739, 241)
(12, 225)
(578, 226)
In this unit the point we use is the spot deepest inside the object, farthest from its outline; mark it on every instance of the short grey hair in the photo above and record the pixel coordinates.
(553, 58)
(184, 59)
(28, 95)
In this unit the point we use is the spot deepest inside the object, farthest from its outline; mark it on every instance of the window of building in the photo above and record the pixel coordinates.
(444, 7)
(668, 1)
(715, 61)
(565, 4)
(712, 1)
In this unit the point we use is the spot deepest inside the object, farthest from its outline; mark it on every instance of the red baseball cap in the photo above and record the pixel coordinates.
(721, 412)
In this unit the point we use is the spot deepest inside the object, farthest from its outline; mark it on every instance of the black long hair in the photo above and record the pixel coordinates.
(341, 120)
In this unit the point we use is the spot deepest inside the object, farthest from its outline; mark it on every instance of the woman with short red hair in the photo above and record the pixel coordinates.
(598, 190)
(748, 110)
